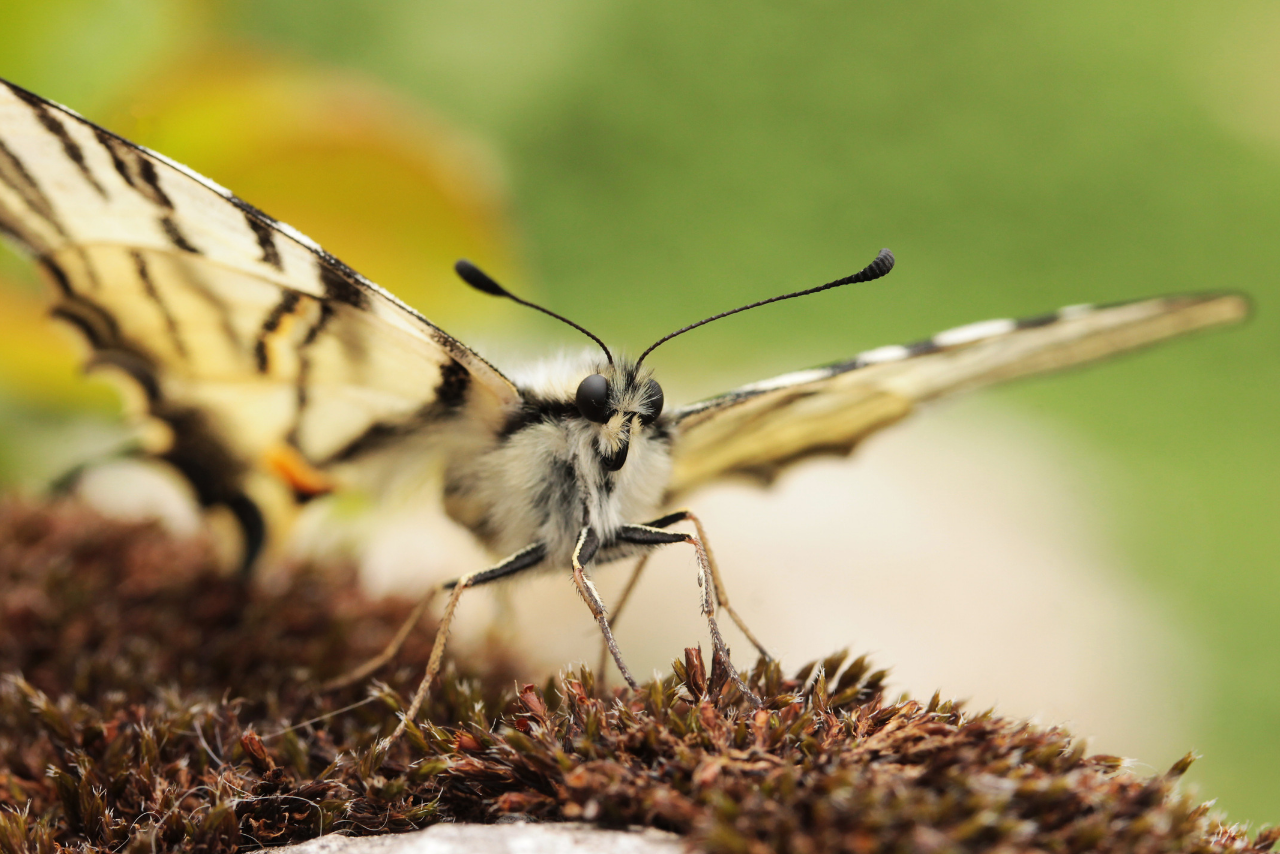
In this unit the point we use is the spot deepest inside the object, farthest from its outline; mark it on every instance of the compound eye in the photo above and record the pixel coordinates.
(593, 399)
(653, 399)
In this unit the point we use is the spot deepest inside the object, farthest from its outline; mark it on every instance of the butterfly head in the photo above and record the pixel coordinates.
(620, 398)
(623, 400)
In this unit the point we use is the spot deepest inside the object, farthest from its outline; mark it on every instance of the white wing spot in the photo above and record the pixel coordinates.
(891, 353)
(1071, 312)
(293, 233)
(786, 380)
(974, 332)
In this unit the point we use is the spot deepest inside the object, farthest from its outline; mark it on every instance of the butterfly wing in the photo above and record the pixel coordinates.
(270, 361)
(759, 429)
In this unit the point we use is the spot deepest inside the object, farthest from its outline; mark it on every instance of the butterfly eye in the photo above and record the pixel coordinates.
(593, 399)
(653, 399)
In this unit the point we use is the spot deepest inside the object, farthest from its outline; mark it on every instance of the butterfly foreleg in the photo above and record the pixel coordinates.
(524, 559)
(583, 553)
(507, 567)
(653, 535)
(521, 560)
(722, 596)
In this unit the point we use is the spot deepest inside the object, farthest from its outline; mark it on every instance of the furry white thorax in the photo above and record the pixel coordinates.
(545, 479)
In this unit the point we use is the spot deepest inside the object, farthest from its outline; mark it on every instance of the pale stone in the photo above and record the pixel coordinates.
(514, 838)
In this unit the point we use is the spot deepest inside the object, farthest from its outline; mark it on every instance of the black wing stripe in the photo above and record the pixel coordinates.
(175, 235)
(10, 232)
(326, 314)
(1039, 320)
(110, 347)
(96, 323)
(138, 368)
(342, 288)
(301, 382)
(150, 180)
(57, 275)
(922, 348)
(87, 319)
(266, 240)
(286, 305)
(381, 433)
(111, 145)
(451, 391)
(70, 147)
(149, 287)
(450, 395)
(135, 169)
(15, 174)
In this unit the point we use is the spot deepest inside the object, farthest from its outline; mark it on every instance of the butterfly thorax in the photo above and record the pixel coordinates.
(553, 470)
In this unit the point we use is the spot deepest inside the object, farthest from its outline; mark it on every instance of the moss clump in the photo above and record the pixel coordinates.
(149, 704)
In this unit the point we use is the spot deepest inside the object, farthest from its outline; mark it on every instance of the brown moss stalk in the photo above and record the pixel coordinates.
(148, 703)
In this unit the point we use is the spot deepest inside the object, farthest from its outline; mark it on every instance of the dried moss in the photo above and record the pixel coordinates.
(150, 704)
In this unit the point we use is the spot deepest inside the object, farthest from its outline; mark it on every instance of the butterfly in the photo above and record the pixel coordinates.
(279, 374)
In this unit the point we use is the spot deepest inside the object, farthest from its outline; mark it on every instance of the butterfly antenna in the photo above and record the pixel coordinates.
(478, 279)
(882, 264)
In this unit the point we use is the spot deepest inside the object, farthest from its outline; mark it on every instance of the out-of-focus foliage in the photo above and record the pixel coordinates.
(667, 161)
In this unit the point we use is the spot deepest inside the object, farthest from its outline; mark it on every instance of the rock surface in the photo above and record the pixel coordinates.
(512, 838)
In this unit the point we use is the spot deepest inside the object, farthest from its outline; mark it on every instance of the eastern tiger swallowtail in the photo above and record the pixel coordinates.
(282, 374)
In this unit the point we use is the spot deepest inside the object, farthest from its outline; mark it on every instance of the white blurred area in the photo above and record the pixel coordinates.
(965, 549)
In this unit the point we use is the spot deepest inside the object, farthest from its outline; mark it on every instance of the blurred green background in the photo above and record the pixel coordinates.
(640, 164)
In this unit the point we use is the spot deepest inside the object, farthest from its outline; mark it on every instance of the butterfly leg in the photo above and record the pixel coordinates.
(585, 549)
(722, 596)
(617, 612)
(518, 562)
(653, 535)
(507, 567)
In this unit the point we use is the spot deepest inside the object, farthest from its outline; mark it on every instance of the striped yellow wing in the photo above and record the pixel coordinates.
(274, 365)
(759, 429)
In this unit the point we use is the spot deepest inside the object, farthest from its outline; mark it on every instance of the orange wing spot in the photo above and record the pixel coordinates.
(289, 465)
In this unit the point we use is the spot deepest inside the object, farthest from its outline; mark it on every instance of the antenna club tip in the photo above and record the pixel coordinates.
(881, 266)
(477, 278)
